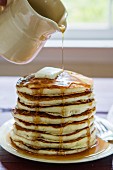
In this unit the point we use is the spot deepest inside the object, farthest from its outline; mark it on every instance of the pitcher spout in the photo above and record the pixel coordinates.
(62, 25)
(53, 12)
(59, 16)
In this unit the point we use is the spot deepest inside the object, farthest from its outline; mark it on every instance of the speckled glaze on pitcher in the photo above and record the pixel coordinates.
(25, 25)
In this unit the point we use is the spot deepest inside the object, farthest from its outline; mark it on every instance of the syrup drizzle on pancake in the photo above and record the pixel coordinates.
(65, 79)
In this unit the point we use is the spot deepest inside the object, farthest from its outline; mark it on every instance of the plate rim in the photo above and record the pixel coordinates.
(7, 126)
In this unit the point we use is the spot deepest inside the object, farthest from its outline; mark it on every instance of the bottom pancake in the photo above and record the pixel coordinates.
(51, 152)
(82, 142)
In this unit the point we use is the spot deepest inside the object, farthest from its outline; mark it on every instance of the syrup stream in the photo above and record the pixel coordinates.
(62, 29)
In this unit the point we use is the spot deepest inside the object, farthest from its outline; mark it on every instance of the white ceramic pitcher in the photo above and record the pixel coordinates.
(25, 25)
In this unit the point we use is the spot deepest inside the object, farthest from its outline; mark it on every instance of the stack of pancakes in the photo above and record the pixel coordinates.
(54, 116)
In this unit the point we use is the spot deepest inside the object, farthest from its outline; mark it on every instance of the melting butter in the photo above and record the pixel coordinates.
(48, 72)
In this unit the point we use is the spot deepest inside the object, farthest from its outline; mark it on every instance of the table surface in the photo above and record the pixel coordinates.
(104, 95)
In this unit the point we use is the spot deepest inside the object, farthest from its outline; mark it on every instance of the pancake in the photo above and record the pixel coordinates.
(56, 129)
(63, 110)
(47, 151)
(35, 135)
(66, 83)
(53, 101)
(55, 112)
(38, 144)
(44, 118)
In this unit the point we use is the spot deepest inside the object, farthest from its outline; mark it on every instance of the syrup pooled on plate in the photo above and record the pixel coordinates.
(98, 148)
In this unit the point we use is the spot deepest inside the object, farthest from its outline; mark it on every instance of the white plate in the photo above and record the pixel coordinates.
(6, 128)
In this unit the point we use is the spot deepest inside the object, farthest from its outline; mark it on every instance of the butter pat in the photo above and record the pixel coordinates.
(48, 72)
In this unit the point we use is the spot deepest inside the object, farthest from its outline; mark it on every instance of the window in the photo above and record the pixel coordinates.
(89, 19)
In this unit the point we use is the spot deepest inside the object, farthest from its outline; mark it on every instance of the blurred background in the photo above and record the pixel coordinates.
(88, 42)
(89, 14)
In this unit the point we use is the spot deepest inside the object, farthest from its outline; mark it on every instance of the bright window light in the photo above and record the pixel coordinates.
(89, 19)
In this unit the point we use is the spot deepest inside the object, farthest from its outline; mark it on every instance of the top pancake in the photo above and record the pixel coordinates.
(66, 83)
